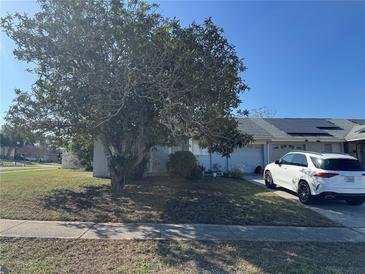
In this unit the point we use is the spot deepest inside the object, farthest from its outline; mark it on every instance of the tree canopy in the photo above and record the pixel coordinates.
(121, 72)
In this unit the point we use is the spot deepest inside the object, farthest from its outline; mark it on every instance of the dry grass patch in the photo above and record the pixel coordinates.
(101, 256)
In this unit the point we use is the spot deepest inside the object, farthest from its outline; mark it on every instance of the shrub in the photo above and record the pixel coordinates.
(181, 164)
(196, 173)
(237, 173)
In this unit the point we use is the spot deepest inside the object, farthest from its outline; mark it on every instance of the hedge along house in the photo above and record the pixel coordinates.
(273, 137)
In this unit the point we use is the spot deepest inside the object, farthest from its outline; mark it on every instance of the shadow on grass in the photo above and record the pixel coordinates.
(263, 257)
(202, 256)
(196, 206)
(148, 201)
(177, 201)
(93, 203)
(23, 255)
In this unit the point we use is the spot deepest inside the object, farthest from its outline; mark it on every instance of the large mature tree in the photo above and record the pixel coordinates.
(121, 72)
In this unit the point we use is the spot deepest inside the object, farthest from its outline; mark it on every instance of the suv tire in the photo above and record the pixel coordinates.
(304, 193)
(269, 182)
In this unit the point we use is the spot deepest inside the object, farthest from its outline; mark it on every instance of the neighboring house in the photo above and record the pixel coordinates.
(38, 153)
(273, 137)
(7, 152)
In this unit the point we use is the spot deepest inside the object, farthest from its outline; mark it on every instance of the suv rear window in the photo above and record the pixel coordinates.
(337, 164)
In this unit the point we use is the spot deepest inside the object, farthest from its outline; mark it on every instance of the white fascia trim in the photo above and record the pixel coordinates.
(354, 140)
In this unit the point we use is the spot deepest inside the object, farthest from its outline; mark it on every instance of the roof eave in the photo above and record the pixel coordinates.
(357, 139)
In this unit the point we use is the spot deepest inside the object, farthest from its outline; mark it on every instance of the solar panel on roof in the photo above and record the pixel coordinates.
(302, 126)
(358, 121)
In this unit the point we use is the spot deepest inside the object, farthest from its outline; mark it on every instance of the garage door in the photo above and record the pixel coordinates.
(248, 157)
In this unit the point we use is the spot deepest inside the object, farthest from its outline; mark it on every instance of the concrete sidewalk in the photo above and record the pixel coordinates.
(122, 231)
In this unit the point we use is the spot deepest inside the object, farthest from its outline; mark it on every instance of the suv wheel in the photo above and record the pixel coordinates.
(269, 182)
(355, 201)
(304, 193)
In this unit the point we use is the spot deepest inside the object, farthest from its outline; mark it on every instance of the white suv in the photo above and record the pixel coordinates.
(326, 175)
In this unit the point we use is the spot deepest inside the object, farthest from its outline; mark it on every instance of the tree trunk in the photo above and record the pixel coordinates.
(122, 168)
(117, 173)
(118, 182)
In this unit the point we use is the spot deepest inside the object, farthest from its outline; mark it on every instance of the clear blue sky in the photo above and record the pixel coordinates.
(304, 59)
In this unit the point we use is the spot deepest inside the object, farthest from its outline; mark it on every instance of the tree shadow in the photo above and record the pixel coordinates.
(262, 257)
(200, 256)
(199, 206)
(145, 201)
(142, 202)
(93, 203)
(116, 231)
(169, 200)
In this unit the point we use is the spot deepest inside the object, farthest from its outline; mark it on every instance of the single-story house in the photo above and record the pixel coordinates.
(7, 152)
(273, 137)
(38, 153)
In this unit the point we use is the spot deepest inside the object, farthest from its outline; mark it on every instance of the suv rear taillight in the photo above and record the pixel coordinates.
(325, 174)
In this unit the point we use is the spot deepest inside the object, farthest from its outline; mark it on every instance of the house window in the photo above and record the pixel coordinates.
(328, 148)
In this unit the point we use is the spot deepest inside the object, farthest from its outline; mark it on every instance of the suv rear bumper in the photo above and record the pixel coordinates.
(340, 196)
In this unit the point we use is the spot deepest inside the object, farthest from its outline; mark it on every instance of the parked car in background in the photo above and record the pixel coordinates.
(318, 175)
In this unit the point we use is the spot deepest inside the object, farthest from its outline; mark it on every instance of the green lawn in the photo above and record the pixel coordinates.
(101, 256)
(75, 195)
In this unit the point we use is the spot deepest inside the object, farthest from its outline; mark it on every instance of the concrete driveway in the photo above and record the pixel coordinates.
(338, 211)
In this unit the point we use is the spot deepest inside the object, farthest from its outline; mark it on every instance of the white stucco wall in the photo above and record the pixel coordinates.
(100, 165)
